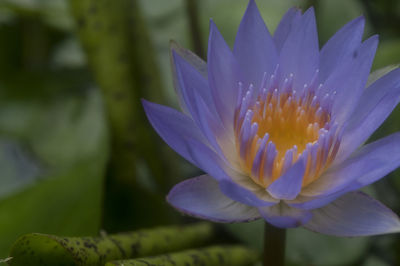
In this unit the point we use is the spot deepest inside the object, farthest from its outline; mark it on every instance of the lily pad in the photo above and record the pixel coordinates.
(73, 151)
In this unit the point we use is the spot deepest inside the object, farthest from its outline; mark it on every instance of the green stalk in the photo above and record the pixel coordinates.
(274, 246)
(41, 249)
(120, 56)
(122, 61)
(211, 256)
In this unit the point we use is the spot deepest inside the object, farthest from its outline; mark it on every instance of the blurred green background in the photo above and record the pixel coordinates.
(76, 152)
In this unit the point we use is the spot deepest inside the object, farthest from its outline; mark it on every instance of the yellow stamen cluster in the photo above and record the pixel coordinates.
(293, 126)
(289, 122)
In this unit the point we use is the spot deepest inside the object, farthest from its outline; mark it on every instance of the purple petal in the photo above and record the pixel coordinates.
(343, 44)
(348, 81)
(375, 105)
(195, 61)
(214, 131)
(246, 195)
(367, 165)
(190, 81)
(288, 186)
(173, 127)
(207, 160)
(201, 197)
(254, 48)
(289, 20)
(212, 164)
(310, 203)
(354, 214)
(300, 52)
(379, 73)
(283, 216)
(223, 76)
(198, 100)
(199, 64)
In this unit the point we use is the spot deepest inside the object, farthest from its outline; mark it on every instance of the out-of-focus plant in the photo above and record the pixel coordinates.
(41, 249)
(120, 56)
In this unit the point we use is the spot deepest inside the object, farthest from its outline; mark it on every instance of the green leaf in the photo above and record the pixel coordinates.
(251, 234)
(68, 203)
(388, 53)
(41, 249)
(69, 140)
(305, 247)
(311, 248)
(375, 261)
(211, 256)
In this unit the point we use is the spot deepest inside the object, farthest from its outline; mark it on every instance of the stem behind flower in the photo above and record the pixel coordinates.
(274, 246)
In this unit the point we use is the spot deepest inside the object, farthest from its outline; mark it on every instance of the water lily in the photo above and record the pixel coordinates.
(278, 126)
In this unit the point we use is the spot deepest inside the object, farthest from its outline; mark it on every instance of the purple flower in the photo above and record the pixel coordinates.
(278, 125)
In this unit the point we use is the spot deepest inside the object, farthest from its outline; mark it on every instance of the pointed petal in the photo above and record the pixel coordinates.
(354, 214)
(201, 197)
(283, 216)
(288, 186)
(343, 44)
(199, 64)
(300, 52)
(173, 127)
(367, 165)
(190, 81)
(379, 73)
(198, 100)
(212, 164)
(207, 160)
(214, 130)
(348, 81)
(223, 76)
(193, 60)
(375, 105)
(289, 20)
(254, 48)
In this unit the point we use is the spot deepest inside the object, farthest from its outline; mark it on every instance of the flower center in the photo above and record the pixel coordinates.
(277, 126)
(289, 122)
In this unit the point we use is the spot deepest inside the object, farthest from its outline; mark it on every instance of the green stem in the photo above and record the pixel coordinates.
(41, 249)
(116, 40)
(274, 246)
(211, 256)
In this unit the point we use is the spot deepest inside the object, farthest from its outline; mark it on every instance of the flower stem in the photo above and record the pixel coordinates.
(274, 245)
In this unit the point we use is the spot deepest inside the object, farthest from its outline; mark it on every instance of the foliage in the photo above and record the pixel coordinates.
(211, 256)
(41, 249)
